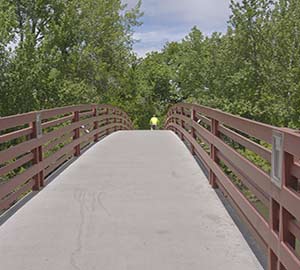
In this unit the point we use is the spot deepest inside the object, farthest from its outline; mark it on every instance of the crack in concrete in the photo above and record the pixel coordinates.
(88, 202)
(101, 203)
(80, 198)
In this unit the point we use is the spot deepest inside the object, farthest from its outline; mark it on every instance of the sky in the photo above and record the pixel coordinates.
(171, 20)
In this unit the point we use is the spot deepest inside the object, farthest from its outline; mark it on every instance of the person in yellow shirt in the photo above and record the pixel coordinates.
(153, 122)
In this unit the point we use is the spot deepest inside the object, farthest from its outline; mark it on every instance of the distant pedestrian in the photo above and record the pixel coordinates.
(154, 122)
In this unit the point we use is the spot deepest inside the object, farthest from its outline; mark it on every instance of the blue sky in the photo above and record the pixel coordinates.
(171, 20)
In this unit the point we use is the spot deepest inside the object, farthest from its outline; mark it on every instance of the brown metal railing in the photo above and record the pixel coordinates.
(33, 145)
(256, 166)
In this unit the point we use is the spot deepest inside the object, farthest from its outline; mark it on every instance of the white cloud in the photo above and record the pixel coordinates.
(188, 11)
(141, 52)
(155, 40)
(171, 20)
(162, 35)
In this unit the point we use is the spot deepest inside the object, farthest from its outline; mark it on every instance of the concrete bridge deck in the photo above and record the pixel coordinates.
(137, 200)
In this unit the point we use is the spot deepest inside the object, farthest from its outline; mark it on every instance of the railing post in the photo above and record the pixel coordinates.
(182, 123)
(274, 216)
(213, 153)
(193, 132)
(272, 260)
(174, 119)
(279, 217)
(41, 173)
(115, 119)
(107, 121)
(275, 213)
(121, 120)
(96, 124)
(124, 121)
(76, 134)
(37, 152)
(289, 181)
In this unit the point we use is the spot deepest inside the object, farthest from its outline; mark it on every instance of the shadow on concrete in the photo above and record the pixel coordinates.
(13, 209)
(257, 250)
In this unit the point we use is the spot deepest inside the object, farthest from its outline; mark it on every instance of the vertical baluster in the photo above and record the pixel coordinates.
(213, 152)
(193, 132)
(107, 120)
(96, 124)
(285, 217)
(115, 119)
(37, 152)
(121, 120)
(280, 218)
(182, 123)
(76, 136)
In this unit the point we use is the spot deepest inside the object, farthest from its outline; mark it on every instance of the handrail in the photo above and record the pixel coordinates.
(35, 144)
(237, 154)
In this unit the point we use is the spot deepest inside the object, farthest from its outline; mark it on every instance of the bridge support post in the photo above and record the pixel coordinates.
(279, 217)
(37, 152)
(285, 217)
(76, 136)
(182, 123)
(125, 123)
(96, 124)
(213, 153)
(121, 121)
(107, 120)
(115, 120)
(174, 120)
(193, 133)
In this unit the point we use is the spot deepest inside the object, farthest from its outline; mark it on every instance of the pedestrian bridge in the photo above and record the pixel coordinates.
(80, 189)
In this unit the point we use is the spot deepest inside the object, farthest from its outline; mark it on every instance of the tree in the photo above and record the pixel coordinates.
(65, 52)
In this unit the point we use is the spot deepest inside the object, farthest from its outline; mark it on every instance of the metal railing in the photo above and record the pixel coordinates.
(256, 166)
(35, 144)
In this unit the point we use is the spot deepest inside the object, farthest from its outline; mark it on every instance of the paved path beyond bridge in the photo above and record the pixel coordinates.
(136, 200)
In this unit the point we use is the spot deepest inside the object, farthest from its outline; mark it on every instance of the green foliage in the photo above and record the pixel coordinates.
(253, 70)
(57, 52)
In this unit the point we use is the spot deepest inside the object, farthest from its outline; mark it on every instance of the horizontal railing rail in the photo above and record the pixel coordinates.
(35, 144)
(256, 166)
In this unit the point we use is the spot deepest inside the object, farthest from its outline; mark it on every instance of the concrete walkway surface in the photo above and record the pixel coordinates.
(136, 200)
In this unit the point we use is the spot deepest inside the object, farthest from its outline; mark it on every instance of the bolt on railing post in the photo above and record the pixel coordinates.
(37, 152)
(96, 124)
(76, 133)
(213, 153)
(193, 132)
